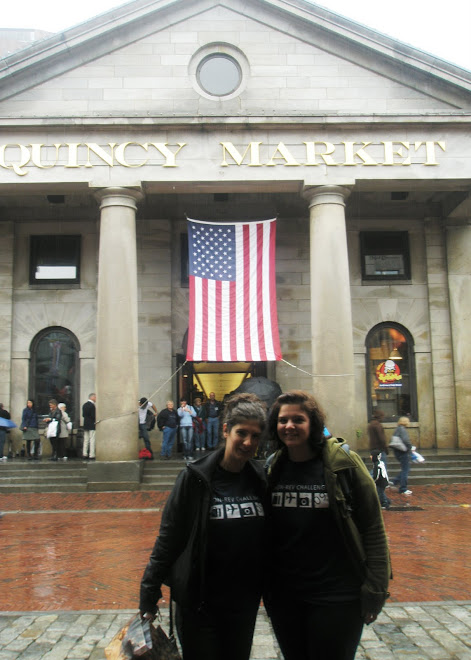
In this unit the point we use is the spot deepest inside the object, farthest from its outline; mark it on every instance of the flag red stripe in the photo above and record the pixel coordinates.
(190, 349)
(204, 305)
(274, 319)
(232, 321)
(246, 287)
(218, 308)
(260, 294)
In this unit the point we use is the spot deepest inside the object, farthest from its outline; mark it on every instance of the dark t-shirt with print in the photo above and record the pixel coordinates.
(235, 540)
(308, 550)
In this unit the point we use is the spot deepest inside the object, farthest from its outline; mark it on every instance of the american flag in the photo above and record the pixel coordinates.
(232, 292)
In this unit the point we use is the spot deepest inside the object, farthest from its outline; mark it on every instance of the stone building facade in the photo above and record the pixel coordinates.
(116, 130)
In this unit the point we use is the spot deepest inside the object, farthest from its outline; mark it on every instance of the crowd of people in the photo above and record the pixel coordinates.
(57, 429)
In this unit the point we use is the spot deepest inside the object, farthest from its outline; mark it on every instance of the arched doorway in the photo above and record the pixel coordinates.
(390, 369)
(54, 370)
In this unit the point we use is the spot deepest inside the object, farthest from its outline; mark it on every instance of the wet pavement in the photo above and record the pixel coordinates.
(71, 564)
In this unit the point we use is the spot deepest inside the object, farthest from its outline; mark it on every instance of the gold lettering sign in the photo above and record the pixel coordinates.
(21, 158)
(346, 154)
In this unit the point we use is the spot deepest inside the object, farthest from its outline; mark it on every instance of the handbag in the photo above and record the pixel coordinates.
(52, 429)
(397, 443)
(140, 639)
(416, 457)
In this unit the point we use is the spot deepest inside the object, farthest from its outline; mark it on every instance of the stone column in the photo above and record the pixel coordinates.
(117, 340)
(331, 315)
(6, 311)
(459, 282)
(440, 340)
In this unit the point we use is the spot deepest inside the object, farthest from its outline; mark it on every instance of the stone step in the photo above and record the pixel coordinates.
(438, 478)
(43, 488)
(20, 475)
(45, 464)
(52, 479)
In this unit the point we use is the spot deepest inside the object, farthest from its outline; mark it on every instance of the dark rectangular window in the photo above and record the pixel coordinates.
(54, 259)
(385, 255)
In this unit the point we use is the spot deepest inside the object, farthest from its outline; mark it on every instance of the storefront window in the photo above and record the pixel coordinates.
(391, 372)
(54, 370)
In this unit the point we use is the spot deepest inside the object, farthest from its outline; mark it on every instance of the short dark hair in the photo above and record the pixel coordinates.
(244, 406)
(309, 405)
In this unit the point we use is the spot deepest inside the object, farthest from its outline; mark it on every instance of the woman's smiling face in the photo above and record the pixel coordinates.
(293, 426)
(241, 444)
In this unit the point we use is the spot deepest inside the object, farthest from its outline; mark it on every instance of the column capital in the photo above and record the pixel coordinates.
(115, 196)
(316, 195)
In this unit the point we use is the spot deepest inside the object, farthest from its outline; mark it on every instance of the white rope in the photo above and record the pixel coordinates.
(315, 375)
(134, 412)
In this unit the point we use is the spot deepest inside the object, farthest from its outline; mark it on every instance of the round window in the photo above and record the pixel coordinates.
(219, 75)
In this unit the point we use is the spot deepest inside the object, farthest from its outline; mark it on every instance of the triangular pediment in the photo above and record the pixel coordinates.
(300, 61)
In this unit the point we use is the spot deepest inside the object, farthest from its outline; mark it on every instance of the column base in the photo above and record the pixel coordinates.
(114, 475)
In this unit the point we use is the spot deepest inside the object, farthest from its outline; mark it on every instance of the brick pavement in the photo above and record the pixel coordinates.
(71, 565)
(415, 631)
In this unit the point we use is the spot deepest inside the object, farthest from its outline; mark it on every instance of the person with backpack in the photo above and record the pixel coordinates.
(144, 406)
(328, 566)
(380, 477)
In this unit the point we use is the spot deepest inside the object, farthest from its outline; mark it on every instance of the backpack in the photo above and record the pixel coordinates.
(382, 479)
(145, 454)
(150, 419)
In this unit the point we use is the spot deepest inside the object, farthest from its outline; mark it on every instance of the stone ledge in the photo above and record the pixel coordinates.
(114, 475)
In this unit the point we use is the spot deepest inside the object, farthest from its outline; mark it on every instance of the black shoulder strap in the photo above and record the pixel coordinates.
(345, 479)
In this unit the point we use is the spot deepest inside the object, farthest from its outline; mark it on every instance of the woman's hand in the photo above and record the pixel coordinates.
(369, 618)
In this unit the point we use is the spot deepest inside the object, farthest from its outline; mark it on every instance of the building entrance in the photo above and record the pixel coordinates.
(222, 378)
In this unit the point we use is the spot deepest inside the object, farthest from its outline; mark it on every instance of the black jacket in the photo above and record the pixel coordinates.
(89, 415)
(162, 418)
(179, 555)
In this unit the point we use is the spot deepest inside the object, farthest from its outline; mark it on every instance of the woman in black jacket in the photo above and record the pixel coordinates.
(212, 530)
(30, 428)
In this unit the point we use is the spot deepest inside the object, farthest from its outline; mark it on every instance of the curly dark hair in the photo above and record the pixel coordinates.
(309, 405)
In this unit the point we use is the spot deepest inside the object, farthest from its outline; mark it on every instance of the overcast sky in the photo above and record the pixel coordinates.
(435, 26)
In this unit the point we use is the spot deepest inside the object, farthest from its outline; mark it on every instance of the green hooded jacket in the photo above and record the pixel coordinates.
(354, 503)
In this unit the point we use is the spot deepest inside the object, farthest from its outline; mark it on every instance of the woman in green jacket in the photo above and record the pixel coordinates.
(329, 566)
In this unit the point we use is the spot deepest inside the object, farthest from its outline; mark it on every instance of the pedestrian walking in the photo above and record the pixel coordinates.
(328, 566)
(380, 477)
(402, 448)
(210, 539)
(376, 435)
